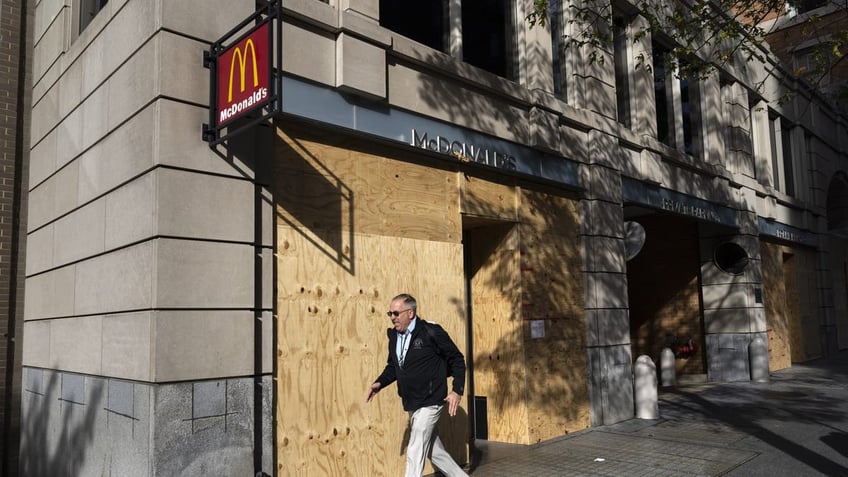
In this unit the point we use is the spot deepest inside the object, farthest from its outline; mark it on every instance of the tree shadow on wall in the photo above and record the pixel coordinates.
(64, 453)
(524, 272)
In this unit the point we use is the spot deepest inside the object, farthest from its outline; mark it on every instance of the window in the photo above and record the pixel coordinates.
(677, 104)
(687, 109)
(88, 10)
(558, 47)
(780, 135)
(662, 97)
(488, 36)
(814, 63)
(786, 145)
(622, 69)
(424, 21)
(804, 6)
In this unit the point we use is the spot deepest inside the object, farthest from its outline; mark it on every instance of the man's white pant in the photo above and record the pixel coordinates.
(424, 441)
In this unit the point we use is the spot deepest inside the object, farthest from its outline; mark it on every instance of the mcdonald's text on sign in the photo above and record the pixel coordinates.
(243, 75)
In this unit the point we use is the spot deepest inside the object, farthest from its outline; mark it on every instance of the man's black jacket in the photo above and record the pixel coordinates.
(422, 381)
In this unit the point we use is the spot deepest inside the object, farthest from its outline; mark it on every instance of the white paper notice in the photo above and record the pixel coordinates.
(537, 329)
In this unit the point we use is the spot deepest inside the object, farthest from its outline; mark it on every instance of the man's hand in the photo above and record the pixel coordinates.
(372, 391)
(453, 403)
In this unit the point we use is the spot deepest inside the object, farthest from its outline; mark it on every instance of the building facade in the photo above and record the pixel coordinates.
(195, 310)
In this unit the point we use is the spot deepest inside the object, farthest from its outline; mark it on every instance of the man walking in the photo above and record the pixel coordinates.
(420, 356)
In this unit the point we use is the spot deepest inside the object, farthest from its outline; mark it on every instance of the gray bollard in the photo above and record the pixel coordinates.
(758, 357)
(668, 372)
(645, 384)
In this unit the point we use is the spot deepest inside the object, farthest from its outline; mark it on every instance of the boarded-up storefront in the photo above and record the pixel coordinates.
(791, 304)
(356, 224)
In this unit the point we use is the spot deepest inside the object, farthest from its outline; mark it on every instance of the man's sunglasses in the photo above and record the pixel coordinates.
(396, 313)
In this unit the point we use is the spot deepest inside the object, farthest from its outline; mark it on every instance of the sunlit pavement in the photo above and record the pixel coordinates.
(794, 425)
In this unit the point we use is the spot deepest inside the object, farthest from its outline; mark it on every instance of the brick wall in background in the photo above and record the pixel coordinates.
(15, 16)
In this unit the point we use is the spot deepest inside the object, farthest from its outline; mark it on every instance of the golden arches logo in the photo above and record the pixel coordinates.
(242, 61)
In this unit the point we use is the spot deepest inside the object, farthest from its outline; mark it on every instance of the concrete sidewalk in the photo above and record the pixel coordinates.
(794, 425)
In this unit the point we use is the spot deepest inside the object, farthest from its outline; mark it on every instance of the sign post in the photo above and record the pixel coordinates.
(243, 87)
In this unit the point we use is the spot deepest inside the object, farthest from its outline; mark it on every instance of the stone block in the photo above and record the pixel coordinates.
(318, 62)
(80, 234)
(203, 344)
(48, 11)
(712, 275)
(544, 129)
(133, 85)
(360, 67)
(604, 150)
(179, 145)
(117, 281)
(33, 380)
(127, 348)
(39, 250)
(212, 20)
(204, 274)
(601, 183)
(181, 450)
(614, 366)
(204, 206)
(66, 182)
(119, 157)
(729, 357)
(121, 398)
(209, 398)
(44, 115)
(181, 74)
(70, 137)
(368, 8)
(95, 114)
(73, 388)
(129, 26)
(50, 294)
(36, 343)
(607, 327)
(601, 218)
(70, 89)
(131, 212)
(93, 59)
(42, 159)
(606, 290)
(604, 254)
(75, 344)
(725, 296)
(49, 47)
(728, 320)
(41, 204)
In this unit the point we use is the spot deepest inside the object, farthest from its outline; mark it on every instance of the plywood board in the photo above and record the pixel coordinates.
(338, 264)
(774, 304)
(483, 198)
(552, 291)
(499, 371)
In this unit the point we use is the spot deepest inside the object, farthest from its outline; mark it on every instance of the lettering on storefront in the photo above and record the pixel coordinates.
(788, 235)
(463, 151)
(690, 210)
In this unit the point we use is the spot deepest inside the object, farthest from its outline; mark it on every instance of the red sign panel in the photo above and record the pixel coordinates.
(243, 75)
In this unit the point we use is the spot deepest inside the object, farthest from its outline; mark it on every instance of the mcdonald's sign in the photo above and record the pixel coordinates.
(243, 75)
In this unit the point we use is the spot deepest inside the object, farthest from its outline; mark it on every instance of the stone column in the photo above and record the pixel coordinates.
(608, 323)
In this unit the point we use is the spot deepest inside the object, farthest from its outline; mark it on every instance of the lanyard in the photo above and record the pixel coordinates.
(404, 347)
